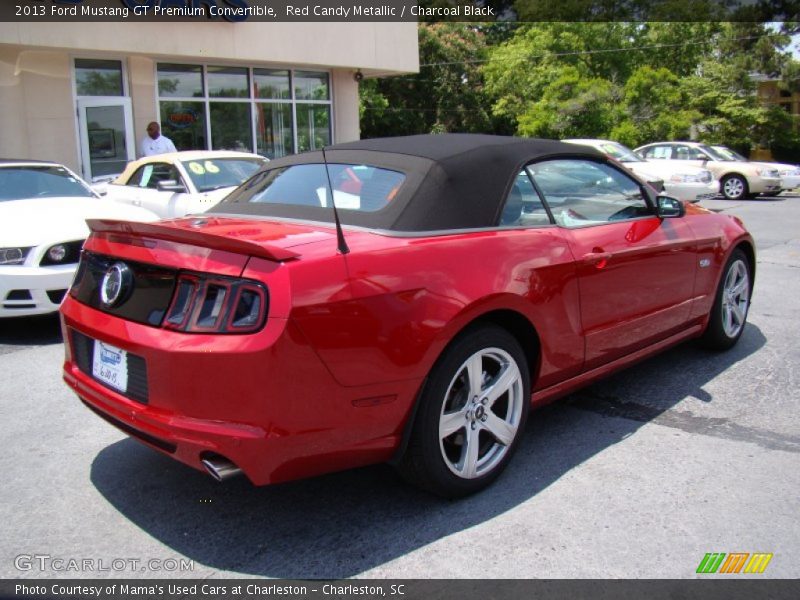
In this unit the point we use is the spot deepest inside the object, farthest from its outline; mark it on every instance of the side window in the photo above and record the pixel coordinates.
(584, 192)
(136, 179)
(661, 152)
(687, 153)
(148, 176)
(523, 206)
(163, 172)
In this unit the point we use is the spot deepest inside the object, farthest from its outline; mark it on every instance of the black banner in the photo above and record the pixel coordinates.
(398, 10)
(372, 589)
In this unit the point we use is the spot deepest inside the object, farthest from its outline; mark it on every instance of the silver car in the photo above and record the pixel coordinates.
(738, 179)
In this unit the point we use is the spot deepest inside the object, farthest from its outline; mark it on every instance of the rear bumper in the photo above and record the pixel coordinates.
(29, 287)
(185, 439)
(264, 401)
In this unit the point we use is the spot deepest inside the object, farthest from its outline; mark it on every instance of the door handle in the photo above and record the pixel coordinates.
(597, 259)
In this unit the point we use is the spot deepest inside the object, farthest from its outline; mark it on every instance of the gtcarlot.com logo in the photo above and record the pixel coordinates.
(48, 563)
(735, 562)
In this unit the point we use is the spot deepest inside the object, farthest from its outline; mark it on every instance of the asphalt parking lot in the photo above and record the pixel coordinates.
(640, 475)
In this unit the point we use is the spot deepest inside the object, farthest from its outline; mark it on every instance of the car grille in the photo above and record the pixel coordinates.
(83, 351)
(150, 296)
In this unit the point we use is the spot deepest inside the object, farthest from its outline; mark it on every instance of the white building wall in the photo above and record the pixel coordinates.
(39, 120)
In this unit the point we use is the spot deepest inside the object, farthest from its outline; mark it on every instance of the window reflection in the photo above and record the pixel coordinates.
(227, 82)
(271, 84)
(309, 85)
(98, 77)
(274, 129)
(180, 81)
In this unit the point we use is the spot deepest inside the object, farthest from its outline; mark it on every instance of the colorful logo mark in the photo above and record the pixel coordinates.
(735, 562)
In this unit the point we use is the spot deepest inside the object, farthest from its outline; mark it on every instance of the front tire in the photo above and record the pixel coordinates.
(471, 416)
(727, 318)
(734, 187)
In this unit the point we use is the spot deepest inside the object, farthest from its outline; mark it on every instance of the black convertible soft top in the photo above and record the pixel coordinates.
(453, 181)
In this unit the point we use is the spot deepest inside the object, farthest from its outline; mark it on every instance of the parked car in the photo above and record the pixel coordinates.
(261, 338)
(179, 183)
(43, 212)
(738, 179)
(790, 174)
(684, 182)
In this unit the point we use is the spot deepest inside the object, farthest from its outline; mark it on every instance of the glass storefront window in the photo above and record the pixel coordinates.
(185, 124)
(230, 126)
(313, 126)
(274, 129)
(274, 112)
(180, 81)
(228, 82)
(98, 77)
(268, 83)
(310, 85)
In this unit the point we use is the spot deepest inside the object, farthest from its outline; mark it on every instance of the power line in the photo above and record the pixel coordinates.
(599, 51)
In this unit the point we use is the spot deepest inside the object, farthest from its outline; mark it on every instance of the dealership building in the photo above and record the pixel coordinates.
(83, 93)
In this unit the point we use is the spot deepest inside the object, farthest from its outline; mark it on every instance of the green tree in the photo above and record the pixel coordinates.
(654, 107)
(447, 94)
(571, 106)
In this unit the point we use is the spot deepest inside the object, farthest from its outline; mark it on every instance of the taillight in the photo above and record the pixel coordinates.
(209, 304)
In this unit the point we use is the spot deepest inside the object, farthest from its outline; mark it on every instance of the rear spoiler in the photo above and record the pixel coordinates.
(188, 236)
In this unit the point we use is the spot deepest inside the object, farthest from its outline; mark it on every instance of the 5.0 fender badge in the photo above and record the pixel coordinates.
(117, 285)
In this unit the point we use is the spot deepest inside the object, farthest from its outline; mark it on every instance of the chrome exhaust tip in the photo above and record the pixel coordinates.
(220, 468)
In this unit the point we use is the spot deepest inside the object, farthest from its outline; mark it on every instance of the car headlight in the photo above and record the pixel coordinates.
(772, 173)
(57, 253)
(13, 256)
(793, 172)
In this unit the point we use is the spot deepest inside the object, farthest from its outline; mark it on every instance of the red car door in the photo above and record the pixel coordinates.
(635, 271)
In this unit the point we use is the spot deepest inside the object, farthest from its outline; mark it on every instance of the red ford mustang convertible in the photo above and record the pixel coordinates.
(402, 300)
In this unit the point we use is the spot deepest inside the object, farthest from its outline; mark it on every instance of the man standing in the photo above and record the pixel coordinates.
(154, 142)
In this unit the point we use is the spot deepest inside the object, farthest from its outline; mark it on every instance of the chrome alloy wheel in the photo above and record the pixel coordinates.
(735, 298)
(481, 413)
(733, 188)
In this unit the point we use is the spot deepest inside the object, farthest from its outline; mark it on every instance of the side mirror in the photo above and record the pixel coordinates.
(170, 185)
(668, 208)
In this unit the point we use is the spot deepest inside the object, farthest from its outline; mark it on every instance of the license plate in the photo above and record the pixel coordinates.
(110, 365)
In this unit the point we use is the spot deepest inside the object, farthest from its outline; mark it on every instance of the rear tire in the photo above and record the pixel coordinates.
(471, 415)
(728, 316)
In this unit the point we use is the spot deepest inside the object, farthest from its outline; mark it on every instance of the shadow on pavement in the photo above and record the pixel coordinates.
(30, 331)
(343, 524)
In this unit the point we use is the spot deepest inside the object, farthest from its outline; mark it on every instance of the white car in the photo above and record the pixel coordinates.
(180, 183)
(43, 212)
(790, 174)
(684, 182)
(737, 179)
